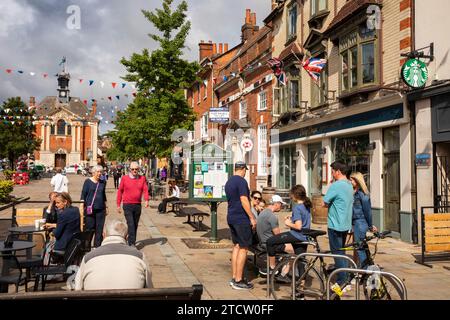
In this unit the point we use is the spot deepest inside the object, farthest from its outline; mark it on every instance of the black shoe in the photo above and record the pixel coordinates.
(282, 279)
(242, 285)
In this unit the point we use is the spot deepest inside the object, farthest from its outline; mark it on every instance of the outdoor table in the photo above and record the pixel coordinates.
(16, 246)
(25, 229)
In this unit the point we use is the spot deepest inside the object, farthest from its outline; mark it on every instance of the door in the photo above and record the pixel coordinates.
(60, 161)
(314, 169)
(391, 177)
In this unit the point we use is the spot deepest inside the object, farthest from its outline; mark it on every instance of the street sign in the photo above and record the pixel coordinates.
(219, 115)
(415, 73)
(247, 144)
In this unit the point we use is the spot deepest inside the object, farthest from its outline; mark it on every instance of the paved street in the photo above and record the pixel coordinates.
(174, 264)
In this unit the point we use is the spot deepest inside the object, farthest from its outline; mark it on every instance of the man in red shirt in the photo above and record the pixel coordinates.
(131, 188)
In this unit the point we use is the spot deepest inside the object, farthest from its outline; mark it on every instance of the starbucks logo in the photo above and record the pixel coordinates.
(415, 73)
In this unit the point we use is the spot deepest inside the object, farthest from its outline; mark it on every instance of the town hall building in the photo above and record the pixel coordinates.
(67, 128)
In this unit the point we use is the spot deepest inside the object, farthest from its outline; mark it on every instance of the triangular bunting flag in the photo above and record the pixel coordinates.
(85, 102)
(81, 80)
(32, 74)
(91, 82)
(109, 98)
(8, 70)
(123, 85)
(134, 94)
(45, 75)
(20, 71)
(114, 84)
(118, 97)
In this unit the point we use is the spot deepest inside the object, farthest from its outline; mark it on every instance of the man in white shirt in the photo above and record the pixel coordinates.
(59, 182)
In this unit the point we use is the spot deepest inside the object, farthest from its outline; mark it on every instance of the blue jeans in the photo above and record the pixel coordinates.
(360, 228)
(337, 241)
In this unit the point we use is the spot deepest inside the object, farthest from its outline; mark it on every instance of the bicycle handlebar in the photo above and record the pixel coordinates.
(379, 235)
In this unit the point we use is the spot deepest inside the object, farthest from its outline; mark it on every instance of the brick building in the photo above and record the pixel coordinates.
(356, 112)
(244, 86)
(67, 128)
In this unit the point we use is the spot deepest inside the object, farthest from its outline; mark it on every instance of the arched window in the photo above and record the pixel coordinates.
(61, 128)
(69, 130)
(52, 129)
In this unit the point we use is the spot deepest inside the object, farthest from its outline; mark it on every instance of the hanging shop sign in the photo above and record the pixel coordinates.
(415, 73)
(219, 115)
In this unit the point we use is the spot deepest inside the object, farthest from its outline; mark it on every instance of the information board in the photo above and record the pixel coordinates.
(209, 172)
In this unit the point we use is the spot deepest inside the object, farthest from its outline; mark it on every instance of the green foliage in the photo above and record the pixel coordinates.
(6, 187)
(16, 132)
(144, 129)
(8, 174)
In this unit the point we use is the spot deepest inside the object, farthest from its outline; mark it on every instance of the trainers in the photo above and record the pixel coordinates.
(232, 281)
(242, 285)
(263, 271)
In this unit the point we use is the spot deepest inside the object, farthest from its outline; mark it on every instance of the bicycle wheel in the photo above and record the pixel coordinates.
(381, 288)
(281, 280)
(310, 285)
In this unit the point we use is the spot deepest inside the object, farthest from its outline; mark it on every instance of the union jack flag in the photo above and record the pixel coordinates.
(277, 67)
(314, 67)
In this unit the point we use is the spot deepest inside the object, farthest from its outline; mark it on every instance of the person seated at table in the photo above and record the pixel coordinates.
(68, 222)
(113, 265)
(50, 212)
(262, 206)
(174, 195)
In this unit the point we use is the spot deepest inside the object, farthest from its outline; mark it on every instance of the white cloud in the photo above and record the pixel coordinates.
(14, 15)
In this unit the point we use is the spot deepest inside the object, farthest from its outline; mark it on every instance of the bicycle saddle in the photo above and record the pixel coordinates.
(313, 233)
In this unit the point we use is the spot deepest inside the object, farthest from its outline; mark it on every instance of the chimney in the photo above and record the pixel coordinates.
(215, 48)
(225, 47)
(220, 48)
(94, 108)
(32, 103)
(249, 28)
(205, 49)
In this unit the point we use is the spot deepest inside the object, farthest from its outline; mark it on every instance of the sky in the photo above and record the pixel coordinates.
(36, 34)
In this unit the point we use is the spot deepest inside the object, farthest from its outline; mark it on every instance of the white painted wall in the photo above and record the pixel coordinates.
(405, 168)
(431, 25)
(376, 169)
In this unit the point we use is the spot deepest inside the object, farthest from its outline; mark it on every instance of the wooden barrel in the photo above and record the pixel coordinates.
(284, 194)
(318, 212)
(267, 194)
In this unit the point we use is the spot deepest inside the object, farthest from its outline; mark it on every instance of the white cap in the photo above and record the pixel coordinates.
(277, 198)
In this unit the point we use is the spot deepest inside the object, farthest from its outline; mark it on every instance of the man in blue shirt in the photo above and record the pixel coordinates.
(339, 201)
(241, 222)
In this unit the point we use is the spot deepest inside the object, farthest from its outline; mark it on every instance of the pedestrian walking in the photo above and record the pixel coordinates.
(362, 213)
(339, 201)
(241, 222)
(131, 189)
(164, 173)
(59, 182)
(116, 175)
(94, 196)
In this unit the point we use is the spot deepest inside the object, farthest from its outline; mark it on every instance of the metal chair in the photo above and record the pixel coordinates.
(11, 271)
(70, 256)
(5, 224)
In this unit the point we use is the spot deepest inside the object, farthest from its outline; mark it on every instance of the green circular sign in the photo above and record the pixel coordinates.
(415, 73)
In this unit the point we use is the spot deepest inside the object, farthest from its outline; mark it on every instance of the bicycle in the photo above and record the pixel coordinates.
(282, 290)
(375, 287)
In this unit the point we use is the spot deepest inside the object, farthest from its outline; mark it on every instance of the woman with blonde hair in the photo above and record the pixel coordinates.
(362, 212)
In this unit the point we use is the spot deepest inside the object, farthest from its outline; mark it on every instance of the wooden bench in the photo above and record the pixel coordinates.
(178, 204)
(182, 293)
(195, 218)
(435, 236)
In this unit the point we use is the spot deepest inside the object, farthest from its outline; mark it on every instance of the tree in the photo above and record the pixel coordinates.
(16, 130)
(144, 129)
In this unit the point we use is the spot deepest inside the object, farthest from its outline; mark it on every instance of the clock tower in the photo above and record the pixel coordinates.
(63, 85)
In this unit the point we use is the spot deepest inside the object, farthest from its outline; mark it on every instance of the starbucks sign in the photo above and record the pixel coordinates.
(415, 73)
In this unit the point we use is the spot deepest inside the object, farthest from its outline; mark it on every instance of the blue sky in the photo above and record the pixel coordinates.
(34, 37)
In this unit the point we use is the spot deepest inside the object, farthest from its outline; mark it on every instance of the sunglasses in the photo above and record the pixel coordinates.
(257, 198)
(134, 169)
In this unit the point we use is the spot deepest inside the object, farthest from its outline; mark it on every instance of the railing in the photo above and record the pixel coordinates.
(312, 254)
(403, 294)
